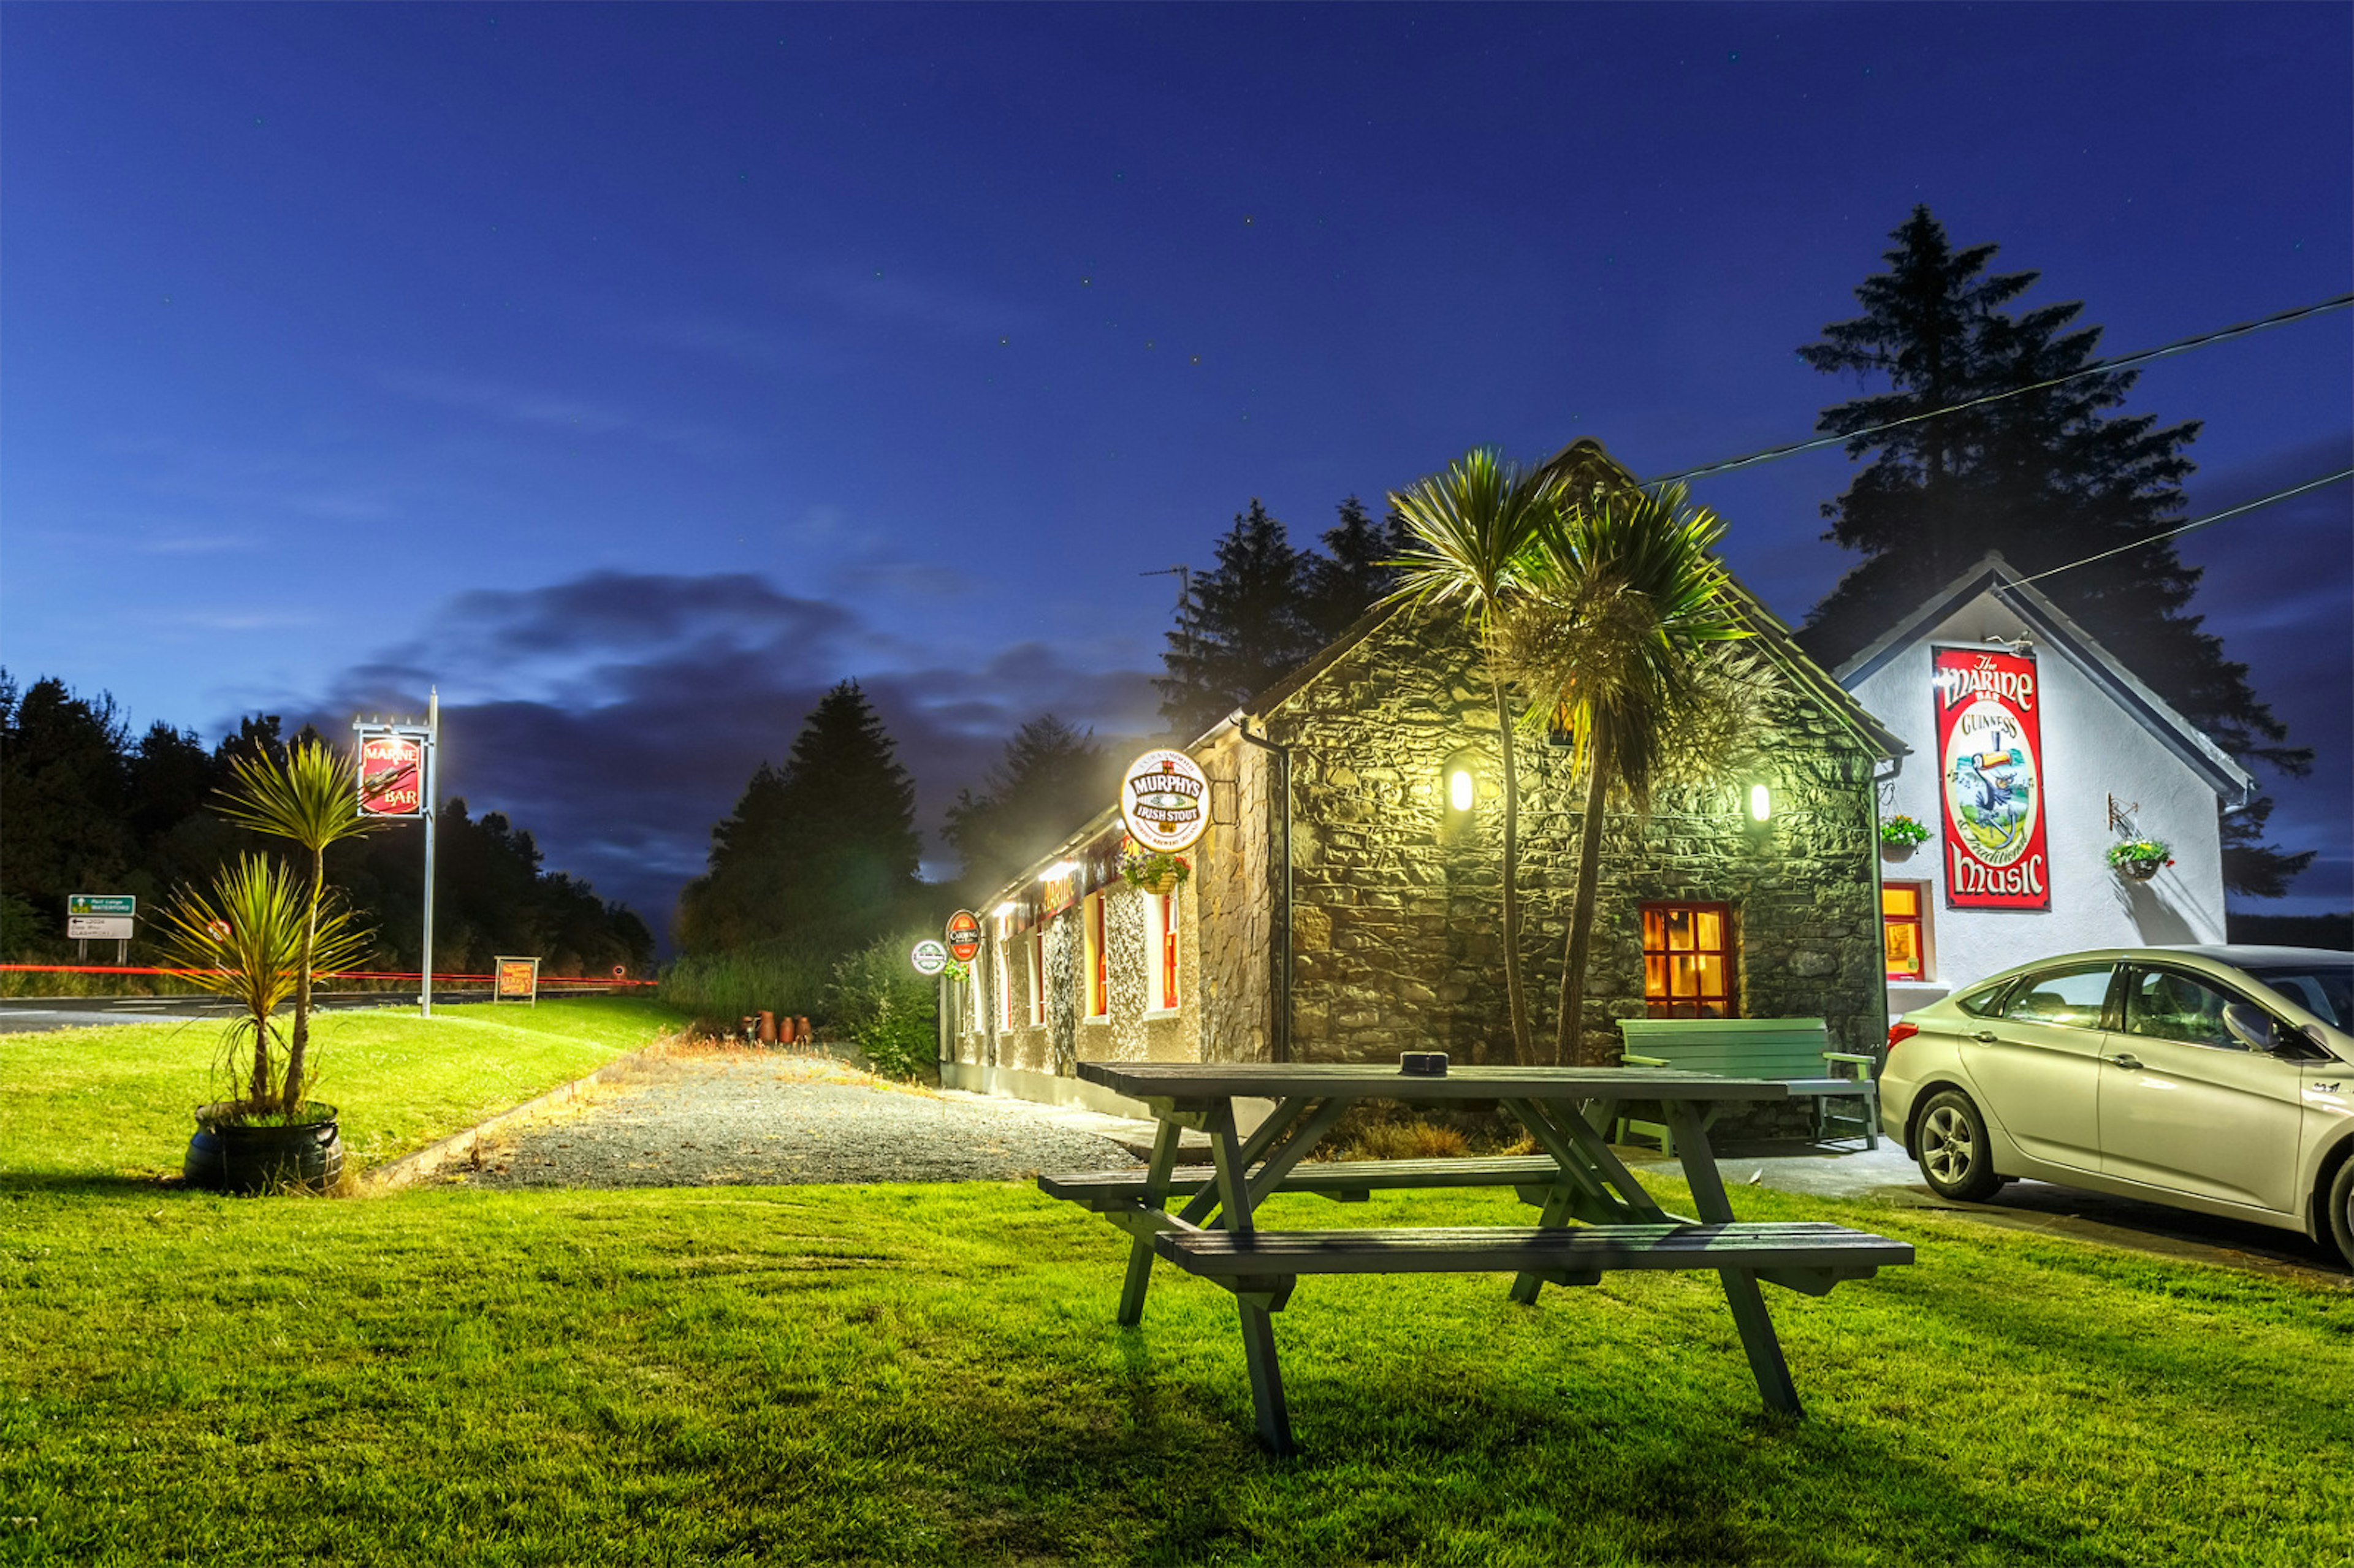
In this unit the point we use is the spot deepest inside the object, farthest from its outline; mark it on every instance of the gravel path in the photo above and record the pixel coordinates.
(760, 1118)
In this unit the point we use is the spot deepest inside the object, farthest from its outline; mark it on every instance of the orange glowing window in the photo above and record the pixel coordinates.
(1687, 961)
(1900, 933)
(1160, 951)
(1099, 971)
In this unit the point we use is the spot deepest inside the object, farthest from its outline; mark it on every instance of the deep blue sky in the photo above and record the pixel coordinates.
(636, 371)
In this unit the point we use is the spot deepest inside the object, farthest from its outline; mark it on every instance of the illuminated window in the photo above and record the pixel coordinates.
(1038, 978)
(1687, 961)
(1005, 984)
(1161, 952)
(1902, 934)
(1097, 975)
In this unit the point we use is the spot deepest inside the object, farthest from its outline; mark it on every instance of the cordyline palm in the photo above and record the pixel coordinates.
(314, 800)
(246, 940)
(1473, 529)
(1618, 603)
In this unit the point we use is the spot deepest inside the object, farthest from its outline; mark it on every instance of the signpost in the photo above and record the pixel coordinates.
(103, 918)
(518, 980)
(399, 769)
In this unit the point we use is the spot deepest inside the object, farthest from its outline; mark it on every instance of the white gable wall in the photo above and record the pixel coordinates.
(2092, 749)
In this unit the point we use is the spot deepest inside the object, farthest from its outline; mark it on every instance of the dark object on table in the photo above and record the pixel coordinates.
(1424, 1064)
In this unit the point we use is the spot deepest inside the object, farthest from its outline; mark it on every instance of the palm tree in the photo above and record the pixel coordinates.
(314, 800)
(1473, 531)
(1618, 603)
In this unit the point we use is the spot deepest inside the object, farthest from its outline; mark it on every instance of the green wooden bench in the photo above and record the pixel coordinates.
(1794, 1050)
(1806, 1256)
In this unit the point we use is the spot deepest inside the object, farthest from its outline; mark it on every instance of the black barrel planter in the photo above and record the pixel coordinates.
(232, 1157)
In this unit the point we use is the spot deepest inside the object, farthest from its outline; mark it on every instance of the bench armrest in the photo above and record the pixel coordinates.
(1849, 1057)
(1642, 1061)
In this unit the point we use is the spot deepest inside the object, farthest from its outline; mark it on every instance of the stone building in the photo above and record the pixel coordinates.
(1341, 908)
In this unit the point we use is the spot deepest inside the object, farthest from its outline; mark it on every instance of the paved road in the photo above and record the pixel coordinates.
(34, 1014)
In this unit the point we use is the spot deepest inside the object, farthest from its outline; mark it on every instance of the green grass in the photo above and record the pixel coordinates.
(115, 1102)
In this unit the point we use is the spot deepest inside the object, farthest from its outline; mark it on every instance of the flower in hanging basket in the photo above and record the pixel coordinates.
(2141, 859)
(1901, 831)
(1150, 870)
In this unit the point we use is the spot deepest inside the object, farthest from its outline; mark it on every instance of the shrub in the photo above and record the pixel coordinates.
(720, 988)
(881, 1004)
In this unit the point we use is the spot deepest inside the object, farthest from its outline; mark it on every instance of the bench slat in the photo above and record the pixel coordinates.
(1321, 1177)
(1512, 1249)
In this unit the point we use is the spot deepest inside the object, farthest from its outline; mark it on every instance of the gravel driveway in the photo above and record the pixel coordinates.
(761, 1118)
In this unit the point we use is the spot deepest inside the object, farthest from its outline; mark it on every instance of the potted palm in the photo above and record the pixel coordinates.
(258, 938)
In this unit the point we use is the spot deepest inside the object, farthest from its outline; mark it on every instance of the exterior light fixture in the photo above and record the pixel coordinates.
(1461, 789)
(1458, 793)
(1060, 868)
(1007, 910)
(1761, 804)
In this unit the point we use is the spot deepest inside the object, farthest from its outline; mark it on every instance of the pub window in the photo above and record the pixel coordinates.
(1687, 961)
(1097, 975)
(1038, 978)
(1005, 983)
(1161, 952)
(1903, 929)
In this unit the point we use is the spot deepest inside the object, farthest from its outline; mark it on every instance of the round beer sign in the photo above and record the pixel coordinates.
(964, 936)
(1165, 802)
(930, 957)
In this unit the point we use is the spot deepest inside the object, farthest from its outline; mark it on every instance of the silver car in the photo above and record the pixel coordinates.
(2218, 1078)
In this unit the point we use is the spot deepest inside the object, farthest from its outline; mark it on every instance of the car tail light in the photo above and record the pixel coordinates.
(1900, 1032)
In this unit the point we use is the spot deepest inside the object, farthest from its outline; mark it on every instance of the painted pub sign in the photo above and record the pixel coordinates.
(1990, 760)
(392, 776)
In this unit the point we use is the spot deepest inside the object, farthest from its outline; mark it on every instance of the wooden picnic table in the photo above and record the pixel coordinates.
(1595, 1216)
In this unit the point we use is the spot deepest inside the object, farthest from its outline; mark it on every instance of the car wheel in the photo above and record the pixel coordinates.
(2341, 1209)
(1956, 1156)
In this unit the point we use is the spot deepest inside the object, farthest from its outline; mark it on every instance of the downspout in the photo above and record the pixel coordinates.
(1280, 1035)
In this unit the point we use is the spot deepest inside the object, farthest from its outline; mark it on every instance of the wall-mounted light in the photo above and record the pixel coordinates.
(1761, 804)
(1462, 788)
(1458, 793)
(1060, 868)
(1007, 910)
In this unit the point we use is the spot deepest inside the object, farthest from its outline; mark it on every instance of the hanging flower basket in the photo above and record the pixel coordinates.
(1147, 872)
(1899, 836)
(2138, 860)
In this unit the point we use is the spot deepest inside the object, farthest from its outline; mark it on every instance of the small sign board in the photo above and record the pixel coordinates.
(392, 776)
(1164, 801)
(964, 936)
(99, 928)
(929, 957)
(102, 903)
(517, 981)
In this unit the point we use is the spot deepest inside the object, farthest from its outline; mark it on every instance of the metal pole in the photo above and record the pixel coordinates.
(432, 802)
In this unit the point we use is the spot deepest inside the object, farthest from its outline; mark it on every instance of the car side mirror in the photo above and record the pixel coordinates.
(2250, 1026)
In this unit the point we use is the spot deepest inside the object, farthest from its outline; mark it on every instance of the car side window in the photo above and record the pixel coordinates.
(2074, 998)
(2163, 1005)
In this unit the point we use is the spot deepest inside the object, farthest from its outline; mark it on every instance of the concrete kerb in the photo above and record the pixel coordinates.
(415, 1167)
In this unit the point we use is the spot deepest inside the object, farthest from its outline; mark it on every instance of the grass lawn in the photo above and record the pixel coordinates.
(114, 1101)
(930, 1374)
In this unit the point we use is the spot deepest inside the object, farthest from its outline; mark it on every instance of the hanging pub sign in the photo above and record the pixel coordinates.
(1990, 760)
(1165, 802)
(392, 776)
(964, 936)
(930, 957)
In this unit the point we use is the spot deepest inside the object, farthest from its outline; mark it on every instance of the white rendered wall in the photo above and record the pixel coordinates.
(2093, 750)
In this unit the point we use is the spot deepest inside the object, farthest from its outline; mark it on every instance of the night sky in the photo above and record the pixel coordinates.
(637, 372)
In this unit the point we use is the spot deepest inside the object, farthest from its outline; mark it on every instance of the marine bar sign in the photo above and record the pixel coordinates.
(392, 776)
(1165, 802)
(964, 936)
(1990, 760)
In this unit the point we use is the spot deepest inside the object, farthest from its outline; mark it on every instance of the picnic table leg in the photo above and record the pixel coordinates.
(1587, 1165)
(1257, 1323)
(1758, 1336)
(1140, 1250)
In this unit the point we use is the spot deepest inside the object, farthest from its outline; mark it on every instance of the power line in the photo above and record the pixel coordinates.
(2121, 361)
(2193, 527)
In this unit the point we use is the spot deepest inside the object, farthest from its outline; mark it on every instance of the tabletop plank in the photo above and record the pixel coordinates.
(1204, 1082)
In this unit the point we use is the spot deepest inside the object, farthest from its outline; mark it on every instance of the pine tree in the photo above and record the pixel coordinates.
(1051, 778)
(1241, 629)
(819, 853)
(2047, 477)
(1352, 575)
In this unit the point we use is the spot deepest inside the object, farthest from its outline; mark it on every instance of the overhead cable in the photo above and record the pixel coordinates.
(2121, 362)
(2194, 526)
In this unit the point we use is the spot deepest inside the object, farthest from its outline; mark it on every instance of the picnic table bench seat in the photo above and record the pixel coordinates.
(1805, 1256)
(1793, 1051)
(1342, 1180)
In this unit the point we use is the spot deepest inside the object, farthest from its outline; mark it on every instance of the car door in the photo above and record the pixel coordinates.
(2185, 1107)
(2037, 1066)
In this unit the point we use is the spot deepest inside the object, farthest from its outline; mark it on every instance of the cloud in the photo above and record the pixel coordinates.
(557, 412)
(618, 715)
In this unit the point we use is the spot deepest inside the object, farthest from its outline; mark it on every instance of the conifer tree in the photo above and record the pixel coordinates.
(1241, 629)
(1353, 573)
(2047, 478)
(1051, 778)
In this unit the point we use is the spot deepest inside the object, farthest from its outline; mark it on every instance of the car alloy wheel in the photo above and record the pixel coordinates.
(1954, 1155)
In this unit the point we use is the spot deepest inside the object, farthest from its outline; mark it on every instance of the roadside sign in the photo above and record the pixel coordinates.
(964, 936)
(102, 903)
(392, 776)
(99, 928)
(930, 957)
(518, 980)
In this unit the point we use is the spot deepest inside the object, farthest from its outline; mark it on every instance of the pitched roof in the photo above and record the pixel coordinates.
(2054, 627)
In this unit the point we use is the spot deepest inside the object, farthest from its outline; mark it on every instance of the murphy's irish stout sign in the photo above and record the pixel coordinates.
(1165, 802)
(1990, 752)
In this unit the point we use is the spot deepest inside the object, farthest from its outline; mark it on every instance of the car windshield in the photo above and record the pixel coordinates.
(2326, 990)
